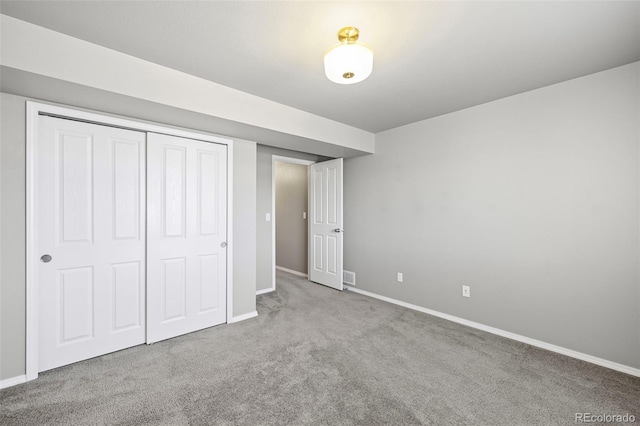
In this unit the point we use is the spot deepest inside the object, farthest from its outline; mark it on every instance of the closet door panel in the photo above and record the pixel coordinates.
(186, 231)
(91, 240)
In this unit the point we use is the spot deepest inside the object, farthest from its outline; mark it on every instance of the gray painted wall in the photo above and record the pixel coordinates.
(532, 200)
(12, 228)
(244, 226)
(291, 228)
(264, 241)
(12, 237)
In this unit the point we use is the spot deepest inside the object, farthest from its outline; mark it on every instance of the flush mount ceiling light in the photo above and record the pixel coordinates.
(348, 62)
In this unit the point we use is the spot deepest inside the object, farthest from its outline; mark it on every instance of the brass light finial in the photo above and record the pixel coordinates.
(348, 34)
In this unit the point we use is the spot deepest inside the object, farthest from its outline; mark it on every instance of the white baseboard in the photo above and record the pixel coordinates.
(265, 290)
(523, 339)
(244, 317)
(7, 383)
(291, 271)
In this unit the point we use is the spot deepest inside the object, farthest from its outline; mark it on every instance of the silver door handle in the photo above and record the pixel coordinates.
(45, 258)
(338, 230)
(223, 244)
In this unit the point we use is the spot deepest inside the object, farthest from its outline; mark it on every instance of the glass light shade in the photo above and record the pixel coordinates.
(348, 63)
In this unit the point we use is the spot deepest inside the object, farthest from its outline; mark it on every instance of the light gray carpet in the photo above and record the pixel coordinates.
(319, 356)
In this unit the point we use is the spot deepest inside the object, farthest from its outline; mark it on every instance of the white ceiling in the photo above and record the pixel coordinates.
(431, 58)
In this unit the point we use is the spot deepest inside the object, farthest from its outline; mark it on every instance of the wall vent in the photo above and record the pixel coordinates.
(349, 278)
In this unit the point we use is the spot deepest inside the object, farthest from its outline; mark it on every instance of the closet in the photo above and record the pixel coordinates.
(130, 234)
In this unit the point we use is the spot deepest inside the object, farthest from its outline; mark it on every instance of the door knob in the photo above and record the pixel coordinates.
(45, 258)
(338, 230)
(223, 244)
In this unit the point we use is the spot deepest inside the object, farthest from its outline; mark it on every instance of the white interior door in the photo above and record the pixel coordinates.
(186, 236)
(325, 225)
(90, 235)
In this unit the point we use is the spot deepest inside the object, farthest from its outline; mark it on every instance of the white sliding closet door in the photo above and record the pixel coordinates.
(90, 238)
(186, 235)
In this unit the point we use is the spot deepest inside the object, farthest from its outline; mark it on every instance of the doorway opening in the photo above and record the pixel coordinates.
(289, 226)
(307, 229)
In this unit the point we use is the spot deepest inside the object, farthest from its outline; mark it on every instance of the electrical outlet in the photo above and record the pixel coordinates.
(400, 277)
(267, 217)
(304, 215)
(466, 291)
